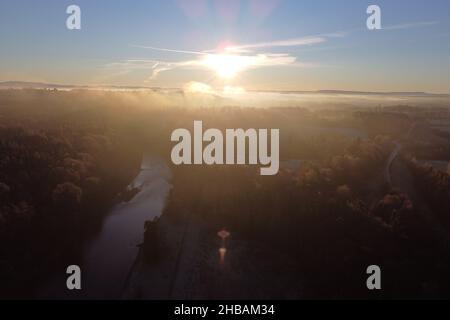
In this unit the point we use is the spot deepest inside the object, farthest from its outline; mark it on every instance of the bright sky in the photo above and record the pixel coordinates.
(254, 44)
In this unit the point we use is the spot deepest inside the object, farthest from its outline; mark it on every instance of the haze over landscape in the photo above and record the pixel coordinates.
(87, 176)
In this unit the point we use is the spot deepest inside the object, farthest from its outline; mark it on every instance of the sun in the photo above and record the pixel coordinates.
(227, 66)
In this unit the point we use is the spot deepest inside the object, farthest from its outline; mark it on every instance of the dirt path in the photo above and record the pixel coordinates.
(390, 161)
(394, 154)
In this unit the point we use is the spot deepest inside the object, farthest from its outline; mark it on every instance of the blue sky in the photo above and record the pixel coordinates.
(411, 53)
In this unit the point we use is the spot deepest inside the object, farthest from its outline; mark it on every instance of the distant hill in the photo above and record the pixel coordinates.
(375, 93)
(41, 85)
(361, 93)
(344, 92)
(31, 85)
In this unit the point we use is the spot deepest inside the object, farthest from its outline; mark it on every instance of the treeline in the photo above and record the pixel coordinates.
(60, 171)
(434, 186)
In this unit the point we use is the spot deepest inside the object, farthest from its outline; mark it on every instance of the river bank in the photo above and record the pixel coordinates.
(108, 257)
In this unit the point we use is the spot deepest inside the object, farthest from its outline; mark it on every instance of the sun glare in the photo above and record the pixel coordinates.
(198, 87)
(227, 66)
(229, 90)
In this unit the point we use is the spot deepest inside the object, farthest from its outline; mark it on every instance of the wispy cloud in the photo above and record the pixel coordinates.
(413, 25)
(154, 66)
(231, 60)
(295, 42)
(223, 64)
(228, 61)
(235, 58)
(274, 44)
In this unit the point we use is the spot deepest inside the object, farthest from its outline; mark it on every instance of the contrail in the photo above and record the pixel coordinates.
(170, 50)
(295, 42)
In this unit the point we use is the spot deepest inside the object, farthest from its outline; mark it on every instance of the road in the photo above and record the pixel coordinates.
(394, 155)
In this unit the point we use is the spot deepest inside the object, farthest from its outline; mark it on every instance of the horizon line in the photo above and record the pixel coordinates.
(46, 85)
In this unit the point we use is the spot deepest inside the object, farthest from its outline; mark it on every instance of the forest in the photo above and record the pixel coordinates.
(67, 156)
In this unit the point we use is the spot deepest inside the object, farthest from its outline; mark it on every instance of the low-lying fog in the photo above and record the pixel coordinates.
(195, 94)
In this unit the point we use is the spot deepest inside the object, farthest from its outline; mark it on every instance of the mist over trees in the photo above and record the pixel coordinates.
(66, 158)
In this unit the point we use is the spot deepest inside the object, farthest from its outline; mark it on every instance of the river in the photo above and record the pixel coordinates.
(109, 257)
